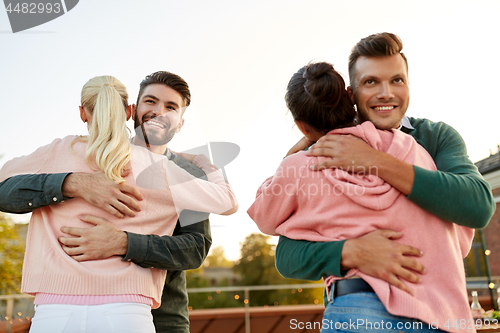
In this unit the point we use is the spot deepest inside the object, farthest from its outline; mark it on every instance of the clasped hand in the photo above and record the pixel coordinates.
(345, 152)
(102, 239)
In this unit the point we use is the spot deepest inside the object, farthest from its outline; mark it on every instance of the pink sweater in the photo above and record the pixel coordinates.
(334, 205)
(167, 190)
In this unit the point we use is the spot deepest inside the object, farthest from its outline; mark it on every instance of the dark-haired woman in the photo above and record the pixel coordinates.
(335, 204)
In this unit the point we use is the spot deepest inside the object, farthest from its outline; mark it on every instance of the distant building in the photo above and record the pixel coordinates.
(220, 275)
(490, 169)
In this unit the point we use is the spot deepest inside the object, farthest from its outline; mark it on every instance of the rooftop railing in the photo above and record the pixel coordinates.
(14, 313)
(21, 317)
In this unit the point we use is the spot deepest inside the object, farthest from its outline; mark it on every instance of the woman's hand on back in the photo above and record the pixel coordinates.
(303, 144)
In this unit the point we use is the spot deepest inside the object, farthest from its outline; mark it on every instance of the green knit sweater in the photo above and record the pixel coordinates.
(456, 192)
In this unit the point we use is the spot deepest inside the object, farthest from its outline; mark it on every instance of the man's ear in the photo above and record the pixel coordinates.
(83, 115)
(351, 94)
(181, 123)
(130, 111)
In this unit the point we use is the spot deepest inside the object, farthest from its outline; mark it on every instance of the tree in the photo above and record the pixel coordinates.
(256, 267)
(11, 257)
(217, 258)
(211, 300)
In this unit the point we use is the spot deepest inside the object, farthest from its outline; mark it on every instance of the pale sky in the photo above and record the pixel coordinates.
(237, 58)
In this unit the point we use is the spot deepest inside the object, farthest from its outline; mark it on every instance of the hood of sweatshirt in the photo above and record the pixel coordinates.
(365, 187)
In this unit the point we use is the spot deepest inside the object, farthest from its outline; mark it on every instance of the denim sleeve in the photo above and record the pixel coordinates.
(23, 193)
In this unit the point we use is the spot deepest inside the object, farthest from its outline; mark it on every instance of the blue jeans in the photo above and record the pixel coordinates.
(364, 312)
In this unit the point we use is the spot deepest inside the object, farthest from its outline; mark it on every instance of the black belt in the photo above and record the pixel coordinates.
(350, 286)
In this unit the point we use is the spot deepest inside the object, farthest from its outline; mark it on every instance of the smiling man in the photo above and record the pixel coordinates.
(158, 116)
(162, 100)
(380, 90)
(456, 192)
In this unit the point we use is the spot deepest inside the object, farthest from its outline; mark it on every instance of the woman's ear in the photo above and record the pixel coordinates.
(130, 110)
(83, 114)
(310, 133)
(303, 127)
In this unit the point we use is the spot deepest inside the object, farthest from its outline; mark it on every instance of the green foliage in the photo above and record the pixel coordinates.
(256, 267)
(211, 300)
(11, 257)
(217, 258)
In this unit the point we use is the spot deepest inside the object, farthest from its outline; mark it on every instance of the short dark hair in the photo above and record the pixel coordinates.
(168, 79)
(317, 96)
(377, 45)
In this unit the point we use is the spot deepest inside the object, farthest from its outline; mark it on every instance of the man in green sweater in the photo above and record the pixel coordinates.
(378, 72)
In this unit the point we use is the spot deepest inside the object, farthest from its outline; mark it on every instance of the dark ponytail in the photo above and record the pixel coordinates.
(317, 96)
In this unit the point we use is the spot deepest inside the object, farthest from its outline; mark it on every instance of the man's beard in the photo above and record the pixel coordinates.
(156, 138)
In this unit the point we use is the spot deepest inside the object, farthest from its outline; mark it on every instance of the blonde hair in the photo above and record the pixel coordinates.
(108, 140)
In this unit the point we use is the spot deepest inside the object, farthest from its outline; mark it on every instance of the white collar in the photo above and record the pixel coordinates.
(405, 122)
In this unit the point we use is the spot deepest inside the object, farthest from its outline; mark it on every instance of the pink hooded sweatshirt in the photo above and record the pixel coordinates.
(333, 204)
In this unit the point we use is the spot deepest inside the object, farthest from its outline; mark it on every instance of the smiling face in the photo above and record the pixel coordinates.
(380, 90)
(158, 115)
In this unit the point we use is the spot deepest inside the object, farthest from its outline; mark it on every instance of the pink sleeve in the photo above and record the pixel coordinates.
(277, 197)
(28, 164)
(465, 238)
(188, 192)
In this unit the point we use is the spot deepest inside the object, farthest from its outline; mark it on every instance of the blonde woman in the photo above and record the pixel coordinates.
(111, 294)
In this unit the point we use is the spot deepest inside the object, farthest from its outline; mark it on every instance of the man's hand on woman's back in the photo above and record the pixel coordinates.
(378, 254)
(117, 199)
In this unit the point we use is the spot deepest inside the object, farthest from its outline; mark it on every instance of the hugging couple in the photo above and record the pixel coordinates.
(105, 244)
